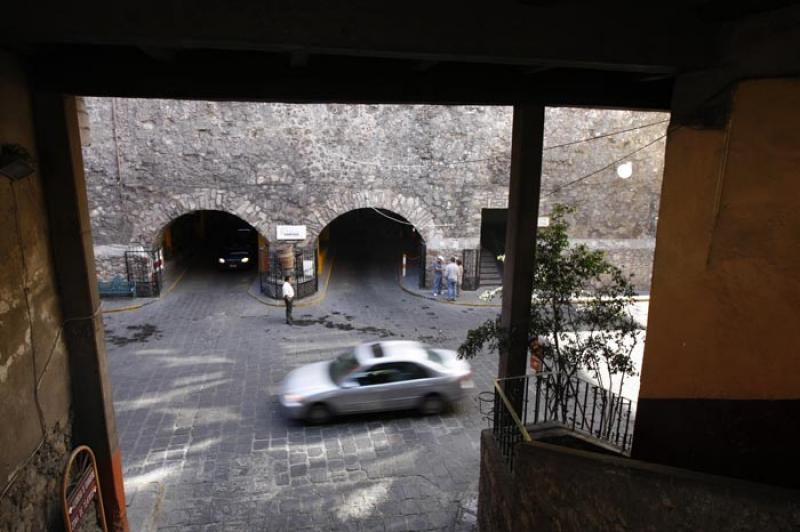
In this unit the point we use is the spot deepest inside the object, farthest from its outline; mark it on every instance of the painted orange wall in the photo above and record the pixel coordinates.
(724, 317)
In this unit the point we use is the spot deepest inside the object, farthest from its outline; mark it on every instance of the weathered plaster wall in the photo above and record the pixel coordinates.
(721, 366)
(555, 488)
(34, 375)
(149, 161)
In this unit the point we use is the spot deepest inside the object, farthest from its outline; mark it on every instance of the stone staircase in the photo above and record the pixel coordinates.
(489, 271)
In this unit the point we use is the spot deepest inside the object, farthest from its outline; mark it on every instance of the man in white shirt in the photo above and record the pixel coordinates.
(288, 297)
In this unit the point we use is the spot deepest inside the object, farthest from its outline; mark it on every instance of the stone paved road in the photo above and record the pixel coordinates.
(194, 379)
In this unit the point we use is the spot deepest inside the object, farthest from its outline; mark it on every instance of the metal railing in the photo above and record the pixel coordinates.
(554, 399)
(471, 260)
(144, 269)
(304, 274)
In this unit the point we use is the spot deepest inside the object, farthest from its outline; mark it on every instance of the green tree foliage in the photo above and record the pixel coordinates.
(580, 307)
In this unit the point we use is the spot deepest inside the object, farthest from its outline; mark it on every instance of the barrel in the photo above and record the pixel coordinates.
(286, 258)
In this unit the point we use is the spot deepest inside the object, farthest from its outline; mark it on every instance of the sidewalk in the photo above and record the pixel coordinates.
(322, 289)
(469, 298)
(172, 276)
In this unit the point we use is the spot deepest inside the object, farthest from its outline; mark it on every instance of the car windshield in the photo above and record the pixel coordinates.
(342, 366)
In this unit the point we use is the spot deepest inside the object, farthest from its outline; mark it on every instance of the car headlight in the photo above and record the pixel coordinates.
(221, 260)
(245, 260)
(293, 398)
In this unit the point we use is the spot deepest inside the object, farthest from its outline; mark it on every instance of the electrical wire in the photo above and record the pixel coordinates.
(391, 218)
(603, 136)
(606, 167)
(498, 156)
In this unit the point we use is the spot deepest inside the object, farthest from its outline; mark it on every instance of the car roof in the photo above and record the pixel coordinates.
(391, 351)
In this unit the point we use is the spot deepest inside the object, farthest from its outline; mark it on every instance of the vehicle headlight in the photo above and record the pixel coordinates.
(221, 260)
(245, 259)
(293, 398)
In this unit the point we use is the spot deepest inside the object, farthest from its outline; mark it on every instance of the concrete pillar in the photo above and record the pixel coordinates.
(61, 166)
(720, 385)
(523, 213)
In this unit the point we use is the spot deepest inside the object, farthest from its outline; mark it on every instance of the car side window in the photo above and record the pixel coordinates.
(397, 372)
(379, 374)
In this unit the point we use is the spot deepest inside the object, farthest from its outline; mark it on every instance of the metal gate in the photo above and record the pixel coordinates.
(423, 264)
(144, 268)
(306, 281)
(472, 269)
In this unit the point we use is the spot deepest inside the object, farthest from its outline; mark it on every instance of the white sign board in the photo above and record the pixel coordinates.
(544, 221)
(291, 232)
(308, 268)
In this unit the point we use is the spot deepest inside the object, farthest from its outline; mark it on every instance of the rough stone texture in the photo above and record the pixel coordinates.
(33, 501)
(150, 161)
(35, 393)
(554, 488)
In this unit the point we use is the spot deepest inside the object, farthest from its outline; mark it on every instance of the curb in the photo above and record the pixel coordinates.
(637, 299)
(443, 301)
(308, 302)
(154, 300)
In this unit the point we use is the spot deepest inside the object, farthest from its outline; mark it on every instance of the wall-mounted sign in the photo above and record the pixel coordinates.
(544, 221)
(291, 232)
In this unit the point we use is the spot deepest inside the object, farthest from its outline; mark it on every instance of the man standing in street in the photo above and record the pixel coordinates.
(451, 274)
(288, 297)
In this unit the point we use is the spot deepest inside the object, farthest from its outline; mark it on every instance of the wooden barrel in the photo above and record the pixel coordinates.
(286, 258)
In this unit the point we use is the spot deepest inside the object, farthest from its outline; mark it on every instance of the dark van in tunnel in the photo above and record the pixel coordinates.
(239, 250)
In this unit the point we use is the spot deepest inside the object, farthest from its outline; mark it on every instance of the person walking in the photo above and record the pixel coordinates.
(438, 269)
(288, 297)
(451, 274)
(460, 277)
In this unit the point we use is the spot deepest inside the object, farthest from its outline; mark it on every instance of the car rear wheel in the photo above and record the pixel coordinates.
(432, 404)
(318, 414)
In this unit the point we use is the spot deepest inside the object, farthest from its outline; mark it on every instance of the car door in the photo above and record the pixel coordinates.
(407, 383)
(363, 391)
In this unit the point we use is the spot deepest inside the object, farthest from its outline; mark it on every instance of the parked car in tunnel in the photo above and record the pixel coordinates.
(239, 252)
(235, 258)
(376, 376)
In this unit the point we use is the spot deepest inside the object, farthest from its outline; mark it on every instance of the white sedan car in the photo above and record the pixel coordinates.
(376, 376)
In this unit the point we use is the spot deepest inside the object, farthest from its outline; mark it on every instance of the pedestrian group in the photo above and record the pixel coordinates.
(452, 274)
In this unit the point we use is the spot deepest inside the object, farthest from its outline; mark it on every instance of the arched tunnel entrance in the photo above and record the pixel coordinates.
(369, 244)
(213, 241)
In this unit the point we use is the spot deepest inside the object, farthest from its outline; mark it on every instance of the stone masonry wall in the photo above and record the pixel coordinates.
(150, 161)
(35, 383)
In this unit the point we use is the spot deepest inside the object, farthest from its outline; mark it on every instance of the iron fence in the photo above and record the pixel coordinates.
(555, 399)
(423, 264)
(304, 272)
(145, 268)
(471, 260)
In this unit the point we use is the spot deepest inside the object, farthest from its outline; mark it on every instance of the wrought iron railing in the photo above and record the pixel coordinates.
(304, 273)
(471, 259)
(572, 402)
(144, 269)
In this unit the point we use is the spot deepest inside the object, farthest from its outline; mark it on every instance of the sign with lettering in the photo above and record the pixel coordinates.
(291, 232)
(79, 500)
(81, 491)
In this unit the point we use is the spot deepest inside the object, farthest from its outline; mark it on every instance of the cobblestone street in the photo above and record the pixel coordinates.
(195, 377)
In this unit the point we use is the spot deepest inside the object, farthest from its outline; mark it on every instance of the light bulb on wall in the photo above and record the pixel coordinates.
(625, 170)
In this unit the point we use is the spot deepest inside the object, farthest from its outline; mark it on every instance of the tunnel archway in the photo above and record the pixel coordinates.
(211, 239)
(370, 242)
